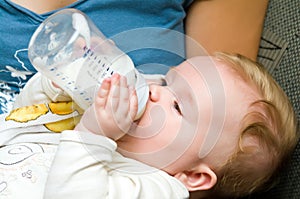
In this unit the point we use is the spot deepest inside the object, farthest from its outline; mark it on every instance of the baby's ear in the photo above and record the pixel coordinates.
(198, 178)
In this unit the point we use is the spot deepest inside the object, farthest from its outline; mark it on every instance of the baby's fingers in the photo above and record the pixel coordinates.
(124, 103)
(103, 93)
(133, 103)
(114, 95)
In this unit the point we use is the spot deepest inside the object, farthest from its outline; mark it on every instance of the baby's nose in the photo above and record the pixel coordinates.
(154, 92)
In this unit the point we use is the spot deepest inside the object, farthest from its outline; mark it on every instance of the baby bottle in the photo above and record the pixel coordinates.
(71, 51)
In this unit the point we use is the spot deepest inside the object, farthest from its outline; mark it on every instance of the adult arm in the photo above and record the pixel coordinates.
(232, 26)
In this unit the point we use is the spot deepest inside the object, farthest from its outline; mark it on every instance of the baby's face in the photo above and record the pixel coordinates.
(184, 118)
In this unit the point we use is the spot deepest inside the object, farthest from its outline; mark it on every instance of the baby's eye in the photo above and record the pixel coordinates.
(177, 108)
(164, 82)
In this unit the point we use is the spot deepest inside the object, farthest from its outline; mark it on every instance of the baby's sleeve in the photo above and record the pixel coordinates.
(78, 169)
(87, 166)
(39, 89)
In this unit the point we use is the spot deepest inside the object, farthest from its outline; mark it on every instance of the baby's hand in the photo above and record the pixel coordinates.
(115, 106)
(114, 109)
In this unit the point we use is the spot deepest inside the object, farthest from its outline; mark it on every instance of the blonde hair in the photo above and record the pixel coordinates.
(271, 121)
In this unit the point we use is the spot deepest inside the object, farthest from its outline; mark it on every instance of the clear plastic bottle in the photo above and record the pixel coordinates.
(72, 52)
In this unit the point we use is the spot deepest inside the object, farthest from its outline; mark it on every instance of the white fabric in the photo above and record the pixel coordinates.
(39, 90)
(85, 165)
(24, 169)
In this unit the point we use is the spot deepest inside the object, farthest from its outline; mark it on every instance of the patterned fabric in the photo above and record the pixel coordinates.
(283, 20)
(38, 123)
(280, 53)
(24, 168)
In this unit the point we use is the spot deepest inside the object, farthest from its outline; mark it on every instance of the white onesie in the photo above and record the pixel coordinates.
(36, 163)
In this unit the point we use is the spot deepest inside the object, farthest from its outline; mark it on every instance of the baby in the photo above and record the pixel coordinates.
(218, 127)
